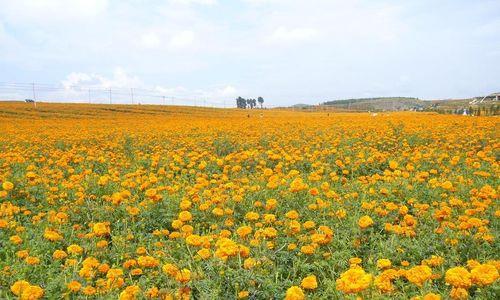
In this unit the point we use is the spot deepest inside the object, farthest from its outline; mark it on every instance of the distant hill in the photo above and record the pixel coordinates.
(378, 104)
(301, 105)
(489, 103)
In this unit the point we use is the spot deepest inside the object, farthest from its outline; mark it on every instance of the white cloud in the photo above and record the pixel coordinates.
(150, 40)
(228, 90)
(182, 39)
(3, 33)
(188, 2)
(77, 84)
(294, 34)
(260, 2)
(120, 79)
(49, 11)
(177, 90)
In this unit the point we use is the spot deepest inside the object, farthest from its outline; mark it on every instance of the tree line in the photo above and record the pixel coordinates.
(486, 110)
(249, 103)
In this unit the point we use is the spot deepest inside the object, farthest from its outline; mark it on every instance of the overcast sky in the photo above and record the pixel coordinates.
(288, 51)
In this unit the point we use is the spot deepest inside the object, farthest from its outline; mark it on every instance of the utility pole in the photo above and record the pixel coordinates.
(164, 102)
(89, 97)
(34, 94)
(132, 94)
(110, 100)
(172, 100)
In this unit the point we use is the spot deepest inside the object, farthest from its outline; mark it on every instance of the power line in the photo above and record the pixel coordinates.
(78, 93)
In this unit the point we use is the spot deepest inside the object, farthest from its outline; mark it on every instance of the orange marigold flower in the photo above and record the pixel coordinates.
(365, 222)
(484, 274)
(309, 283)
(294, 293)
(74, 286)
(353, 280)
(458, 277)
(418, 275)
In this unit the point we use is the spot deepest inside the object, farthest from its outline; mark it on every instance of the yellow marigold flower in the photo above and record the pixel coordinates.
(114, 273)
(70, 262)
(141, 250)
(243, 294)
(251, 216)
(270, 232)
(383, 284)
(59, 254)
(153, 292)
(103, 268)
(74, 249)
(472, 263)
(484, 274)
(447, 185)
(74, 286)
(294, 293)
(19, 286)
(32, 260)
(52, 235)
(204, 253)
(101, 244)
(309, 283)
(170, 269)
(353, 280)
(418, 275)
(15, 239)
(307, 249)
(101, 229)
(383, 263)
(249, 263)
(33, 292)
(185, 216)
(133, 211)
(7, 185)
(432, 296)
(130, 293)
(147, 261)
(293, 214)
(183, 276)
(89, 290)
(22, 253)
(271, 204)
(458, 277)
(365, 222)
(194, 240)
(136, 272)
(90, 262)
(459, 294)
(243, 231)
(151, 193)
(309, 224)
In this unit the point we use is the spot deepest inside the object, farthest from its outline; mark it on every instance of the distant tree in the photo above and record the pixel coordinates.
(261, 101)
(241, 103)
(251, 103)
(248, 103)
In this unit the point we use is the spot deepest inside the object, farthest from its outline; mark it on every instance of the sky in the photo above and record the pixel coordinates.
(287, 51)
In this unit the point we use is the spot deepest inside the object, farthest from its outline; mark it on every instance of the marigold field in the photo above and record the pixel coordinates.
(138, 202)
